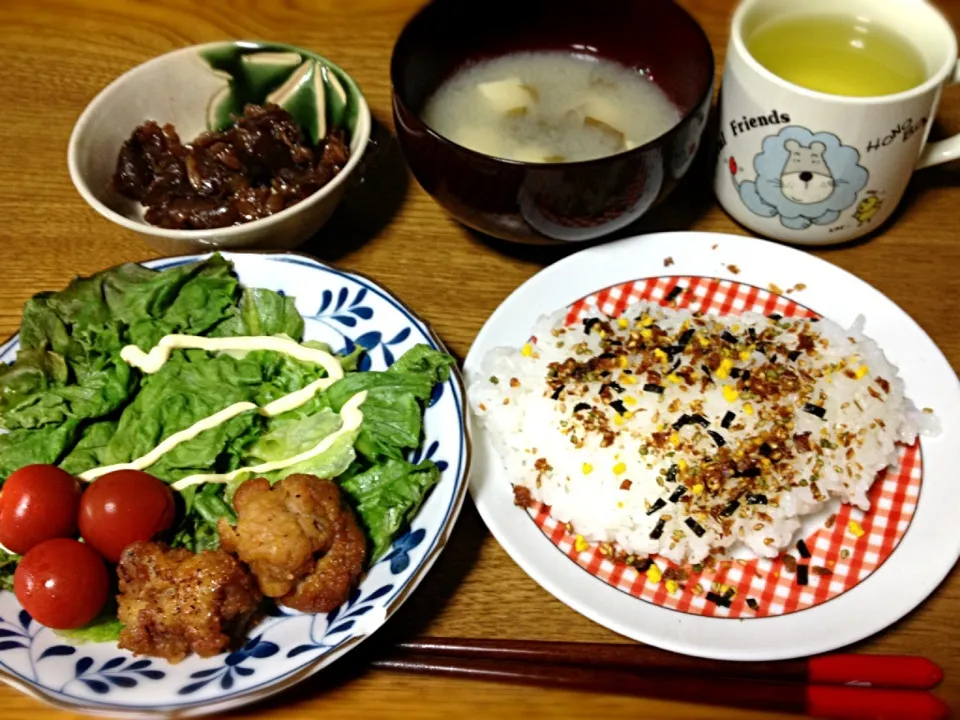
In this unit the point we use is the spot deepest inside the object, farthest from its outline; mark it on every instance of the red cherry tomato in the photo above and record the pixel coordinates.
(123, 507)
(62, 583)
(37, 503)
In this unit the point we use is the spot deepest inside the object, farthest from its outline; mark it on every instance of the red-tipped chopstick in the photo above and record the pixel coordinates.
(642, 671)
(881, 671)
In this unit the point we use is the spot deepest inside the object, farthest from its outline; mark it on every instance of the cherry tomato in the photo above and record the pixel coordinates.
(123, 507)
(62, 583)
(37, 503)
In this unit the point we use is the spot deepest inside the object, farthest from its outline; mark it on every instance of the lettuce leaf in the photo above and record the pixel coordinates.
(98, 631)
(8, 564)
(68, 368)
(262, 312)
(387, 496)
(291, 434)
(392, 413)
(90, 450)
(105, 627)
(191, 386)
(69, 365)
(203, 508)
(45, 445)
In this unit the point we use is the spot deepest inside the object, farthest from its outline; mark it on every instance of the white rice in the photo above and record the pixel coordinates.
(614, 483)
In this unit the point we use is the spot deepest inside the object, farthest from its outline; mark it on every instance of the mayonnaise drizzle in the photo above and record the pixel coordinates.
(350, 414)
(152, 361)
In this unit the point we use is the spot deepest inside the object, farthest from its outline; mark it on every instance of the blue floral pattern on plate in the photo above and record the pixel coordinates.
(345, 311)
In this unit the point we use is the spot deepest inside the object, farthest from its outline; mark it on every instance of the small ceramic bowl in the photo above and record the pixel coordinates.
(198, 88)
(537, 203)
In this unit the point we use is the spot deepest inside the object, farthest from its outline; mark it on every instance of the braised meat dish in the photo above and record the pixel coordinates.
(261, 165)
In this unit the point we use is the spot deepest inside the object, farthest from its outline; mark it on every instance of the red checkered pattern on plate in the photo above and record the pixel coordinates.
(839, 557)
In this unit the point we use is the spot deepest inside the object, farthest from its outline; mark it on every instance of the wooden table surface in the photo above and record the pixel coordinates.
(56, 55)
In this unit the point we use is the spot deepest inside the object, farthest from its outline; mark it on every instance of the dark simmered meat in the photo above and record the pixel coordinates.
(173, 602)
(299, 538)
(259, 166)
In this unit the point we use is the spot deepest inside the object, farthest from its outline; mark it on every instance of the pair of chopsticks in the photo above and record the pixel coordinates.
(826, 686)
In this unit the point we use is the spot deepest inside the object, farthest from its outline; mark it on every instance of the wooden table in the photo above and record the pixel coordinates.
(56, 55)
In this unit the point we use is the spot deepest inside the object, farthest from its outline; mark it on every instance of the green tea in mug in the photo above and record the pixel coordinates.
(837, 54)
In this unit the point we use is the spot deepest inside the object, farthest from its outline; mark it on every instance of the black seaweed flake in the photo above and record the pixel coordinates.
(749, 472)
(556, 393)
(729, 337)
(653, 388)
(756, 499)
(776, 317)
(729, 593)
(717, 438)
(730, 509)
(699, 420)
(606, 356)
(685, 338)
(773, 359)
(681, 421)
(676, 365)
(616, 387)
(803, 549)
(718, 599)
(659, 504)
(674, 293)
(735, 373)
(706, 370)
(643, 564)
(695, 526)
(604, 373)
(814, 410)
(793, 355)
(672, 350)
(588, 324)
(765, 450)
(678, 493)
(728, 419)
(803, 575)
(746, 375)
(752, 333)
(619, 407)
(753, 604)
(580, 406)
(657, 532)
(672, 473)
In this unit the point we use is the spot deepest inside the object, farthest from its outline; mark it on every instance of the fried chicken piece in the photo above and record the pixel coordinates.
(173, 601)
(299, 538)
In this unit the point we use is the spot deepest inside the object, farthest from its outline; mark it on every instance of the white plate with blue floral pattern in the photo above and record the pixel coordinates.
(344, 310)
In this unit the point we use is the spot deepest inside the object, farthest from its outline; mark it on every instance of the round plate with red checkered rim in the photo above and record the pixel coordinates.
(810, 600)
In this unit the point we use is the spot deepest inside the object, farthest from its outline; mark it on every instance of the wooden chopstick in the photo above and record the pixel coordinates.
(879, 671)
(821, 701)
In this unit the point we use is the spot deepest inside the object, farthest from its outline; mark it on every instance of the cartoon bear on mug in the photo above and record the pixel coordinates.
(803, 178)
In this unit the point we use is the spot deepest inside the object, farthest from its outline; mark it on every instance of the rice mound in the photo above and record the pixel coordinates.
(683, 434)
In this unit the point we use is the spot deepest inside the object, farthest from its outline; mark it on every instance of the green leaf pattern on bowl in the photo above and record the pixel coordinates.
(317, 93)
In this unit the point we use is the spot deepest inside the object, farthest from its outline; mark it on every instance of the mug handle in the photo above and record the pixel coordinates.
(943, 150)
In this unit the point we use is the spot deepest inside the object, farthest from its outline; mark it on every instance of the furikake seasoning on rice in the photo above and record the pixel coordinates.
(669, 432)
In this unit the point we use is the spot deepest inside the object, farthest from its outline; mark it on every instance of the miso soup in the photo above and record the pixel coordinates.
(547, 107)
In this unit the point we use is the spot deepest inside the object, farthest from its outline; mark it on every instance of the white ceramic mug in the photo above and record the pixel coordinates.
(850, 158)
